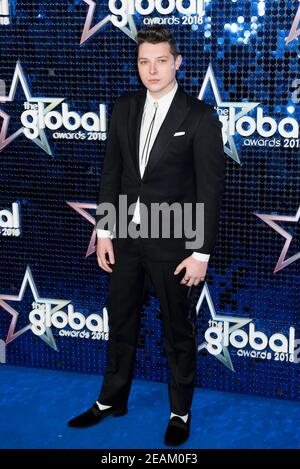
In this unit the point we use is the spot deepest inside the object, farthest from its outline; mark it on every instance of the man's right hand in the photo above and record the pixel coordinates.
(105, 246)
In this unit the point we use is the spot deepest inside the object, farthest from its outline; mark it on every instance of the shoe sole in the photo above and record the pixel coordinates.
(116, 413)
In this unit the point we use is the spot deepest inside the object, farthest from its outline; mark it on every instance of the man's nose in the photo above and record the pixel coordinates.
(152, 68)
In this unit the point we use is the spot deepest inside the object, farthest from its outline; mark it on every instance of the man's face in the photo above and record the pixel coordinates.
(157, 67)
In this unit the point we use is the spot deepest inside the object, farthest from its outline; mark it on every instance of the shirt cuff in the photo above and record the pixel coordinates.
(201, 257)
(104, 233)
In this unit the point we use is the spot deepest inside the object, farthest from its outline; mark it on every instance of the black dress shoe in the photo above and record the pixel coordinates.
(95, 415)
(177, 431)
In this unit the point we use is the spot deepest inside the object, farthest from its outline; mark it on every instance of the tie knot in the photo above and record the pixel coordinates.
(155, 104)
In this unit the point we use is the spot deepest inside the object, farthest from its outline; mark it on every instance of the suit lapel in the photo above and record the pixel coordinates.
(134, 126)
(174, 117)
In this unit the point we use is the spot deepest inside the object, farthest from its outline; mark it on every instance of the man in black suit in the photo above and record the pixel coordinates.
(163, 147)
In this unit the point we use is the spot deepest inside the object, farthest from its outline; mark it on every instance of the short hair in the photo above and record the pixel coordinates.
(155, 34)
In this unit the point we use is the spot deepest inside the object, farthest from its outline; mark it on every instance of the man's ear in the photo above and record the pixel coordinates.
(178, 61)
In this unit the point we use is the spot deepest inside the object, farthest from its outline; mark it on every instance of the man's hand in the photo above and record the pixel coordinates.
(105, 246)
(195, 271)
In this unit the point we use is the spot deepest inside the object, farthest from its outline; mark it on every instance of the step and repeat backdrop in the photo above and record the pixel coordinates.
(63, 63)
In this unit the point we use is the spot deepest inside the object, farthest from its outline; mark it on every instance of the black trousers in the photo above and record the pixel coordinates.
(124, 305)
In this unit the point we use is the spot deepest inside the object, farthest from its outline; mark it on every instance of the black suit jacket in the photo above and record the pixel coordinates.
(183, 169)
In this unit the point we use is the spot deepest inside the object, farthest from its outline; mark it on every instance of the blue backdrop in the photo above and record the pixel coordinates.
(62, 65)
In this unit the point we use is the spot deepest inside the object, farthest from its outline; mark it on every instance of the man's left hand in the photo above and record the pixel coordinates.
(195, 271)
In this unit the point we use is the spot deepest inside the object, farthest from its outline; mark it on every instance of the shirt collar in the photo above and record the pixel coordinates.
(164, 99)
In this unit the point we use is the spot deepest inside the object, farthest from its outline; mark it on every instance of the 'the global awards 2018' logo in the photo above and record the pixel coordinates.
(236, 122)
(121, 15)
(10, 220)
(191, 13)
(70, 324)
(47, 312)
(39, 115)
(225, 331)
(4, 12)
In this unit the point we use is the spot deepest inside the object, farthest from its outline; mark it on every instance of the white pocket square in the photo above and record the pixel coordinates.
(177, 134)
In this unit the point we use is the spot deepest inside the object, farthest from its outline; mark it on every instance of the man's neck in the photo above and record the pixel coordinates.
(164, 92)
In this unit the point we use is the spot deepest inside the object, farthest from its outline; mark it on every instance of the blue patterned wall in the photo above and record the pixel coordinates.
(70, 56)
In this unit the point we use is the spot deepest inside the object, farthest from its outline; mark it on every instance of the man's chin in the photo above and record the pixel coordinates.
(155, 87)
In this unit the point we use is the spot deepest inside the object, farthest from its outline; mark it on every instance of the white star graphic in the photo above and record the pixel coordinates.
(41, 141)
(79, 208)
(224, 356)
(230, 147)
(295, 30)
(47, 337)
(270, 220)
(89, 31)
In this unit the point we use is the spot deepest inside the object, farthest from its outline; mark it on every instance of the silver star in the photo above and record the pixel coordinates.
(47, 337)
(224, 356)
(41, 141)
(246, 107)
(79, 207)
(89, 31)
(294, 32)
(270, 220)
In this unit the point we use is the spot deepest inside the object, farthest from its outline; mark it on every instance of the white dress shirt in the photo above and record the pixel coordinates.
(163, 106)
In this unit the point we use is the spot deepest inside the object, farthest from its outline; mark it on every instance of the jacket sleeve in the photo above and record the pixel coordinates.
(110, 183)
(209, 167)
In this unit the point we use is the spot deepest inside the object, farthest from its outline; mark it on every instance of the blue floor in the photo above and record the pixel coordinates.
(36, 404)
